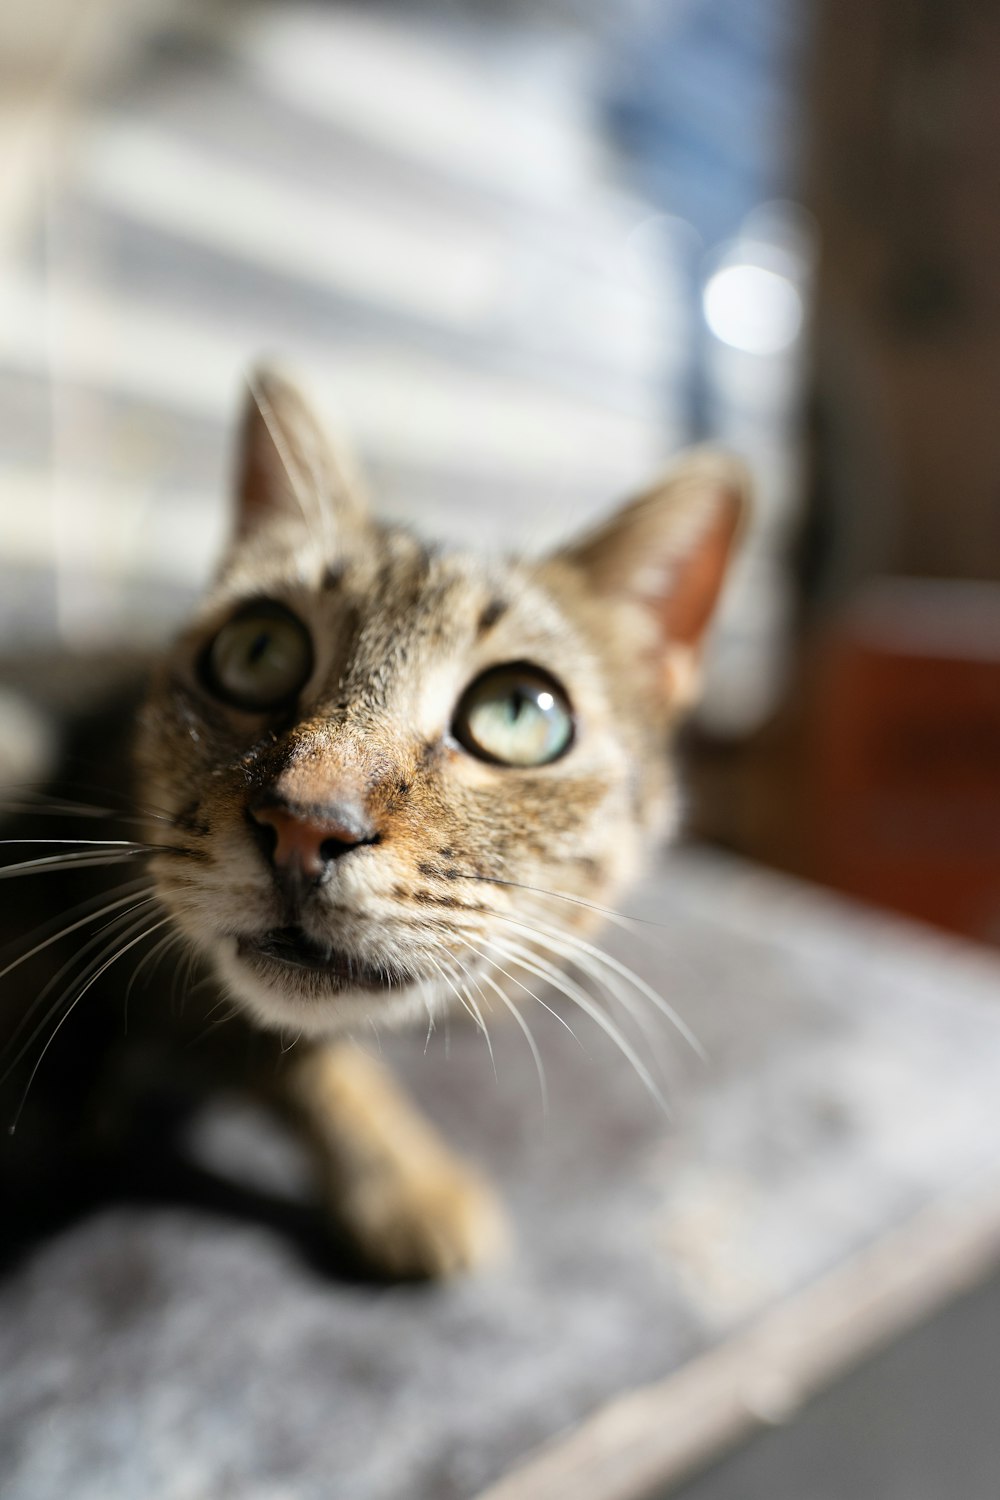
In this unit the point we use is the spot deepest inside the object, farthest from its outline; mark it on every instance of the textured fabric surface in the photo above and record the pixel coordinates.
(193, 1340)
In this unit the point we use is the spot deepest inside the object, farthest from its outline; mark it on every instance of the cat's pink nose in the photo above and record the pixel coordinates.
(308, 839)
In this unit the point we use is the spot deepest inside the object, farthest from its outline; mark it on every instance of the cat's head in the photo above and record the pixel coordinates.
(399, 773)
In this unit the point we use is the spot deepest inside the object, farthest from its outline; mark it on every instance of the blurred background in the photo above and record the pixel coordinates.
(522, 253)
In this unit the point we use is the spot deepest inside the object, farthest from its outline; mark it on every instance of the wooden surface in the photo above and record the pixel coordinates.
(653, 1437)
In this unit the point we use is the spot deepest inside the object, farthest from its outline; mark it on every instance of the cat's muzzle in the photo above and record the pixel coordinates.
(287, 949)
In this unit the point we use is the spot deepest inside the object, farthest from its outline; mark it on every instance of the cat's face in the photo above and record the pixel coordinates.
(395, 771)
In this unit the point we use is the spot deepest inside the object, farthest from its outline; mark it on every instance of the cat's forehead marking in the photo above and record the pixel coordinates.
(409, 626)
(412, 595)
(491, 614)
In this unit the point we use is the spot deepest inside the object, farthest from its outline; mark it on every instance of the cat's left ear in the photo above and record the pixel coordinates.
(668, 551)
(288, 472)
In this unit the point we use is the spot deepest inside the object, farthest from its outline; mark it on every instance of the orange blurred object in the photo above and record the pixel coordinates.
(906, 796)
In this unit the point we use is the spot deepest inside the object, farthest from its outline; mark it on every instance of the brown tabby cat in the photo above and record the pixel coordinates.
(385, 779)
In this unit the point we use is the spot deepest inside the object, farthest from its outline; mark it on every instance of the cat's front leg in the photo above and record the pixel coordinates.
(411, 1206)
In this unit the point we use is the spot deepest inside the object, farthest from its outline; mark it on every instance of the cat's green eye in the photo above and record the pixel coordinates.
(514, 715)
(260, 659)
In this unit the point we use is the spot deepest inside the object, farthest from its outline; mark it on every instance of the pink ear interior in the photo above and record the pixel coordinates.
(286, 467)
(670, 548)
(258, 470)
(272, 469)
(699, 574)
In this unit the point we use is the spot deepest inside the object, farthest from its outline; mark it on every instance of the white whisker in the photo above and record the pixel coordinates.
(91, 916)
(120, 953)
(92, 860)
(152, 958)
(98, 938)
(522, 986)
(91, 843)
(469, 1006)
(586, 1003)
(572, 943)
(585, 965)
(529, 1038)
(378, 1038)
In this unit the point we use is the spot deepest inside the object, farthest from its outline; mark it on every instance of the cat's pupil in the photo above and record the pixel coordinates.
(259, 647)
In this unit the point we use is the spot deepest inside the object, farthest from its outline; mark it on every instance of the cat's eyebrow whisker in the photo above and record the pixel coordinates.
(119, 953)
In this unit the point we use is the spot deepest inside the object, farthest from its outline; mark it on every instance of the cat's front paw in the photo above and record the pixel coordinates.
(408, 1204)
(433, 1222)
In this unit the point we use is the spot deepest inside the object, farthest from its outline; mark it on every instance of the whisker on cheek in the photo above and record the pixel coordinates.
(651, 1036)
(92, 979)
(620, 918)
(529, 1038)
(571, 945)
(468, 1005)
(92, 860)
(522, 986)
(149, 961)
(56, 933)
(562, 983)
(99, 938)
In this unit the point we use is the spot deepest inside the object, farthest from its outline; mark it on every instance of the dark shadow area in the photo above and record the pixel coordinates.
(155, 1173)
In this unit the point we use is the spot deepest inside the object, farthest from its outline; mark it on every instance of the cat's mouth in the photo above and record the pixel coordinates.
(291, 948)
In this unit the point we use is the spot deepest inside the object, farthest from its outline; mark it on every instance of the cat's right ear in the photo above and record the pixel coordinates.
(668, 552)
(288, 473)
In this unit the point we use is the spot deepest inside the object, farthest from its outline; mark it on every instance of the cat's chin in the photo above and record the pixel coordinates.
(282, 981)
